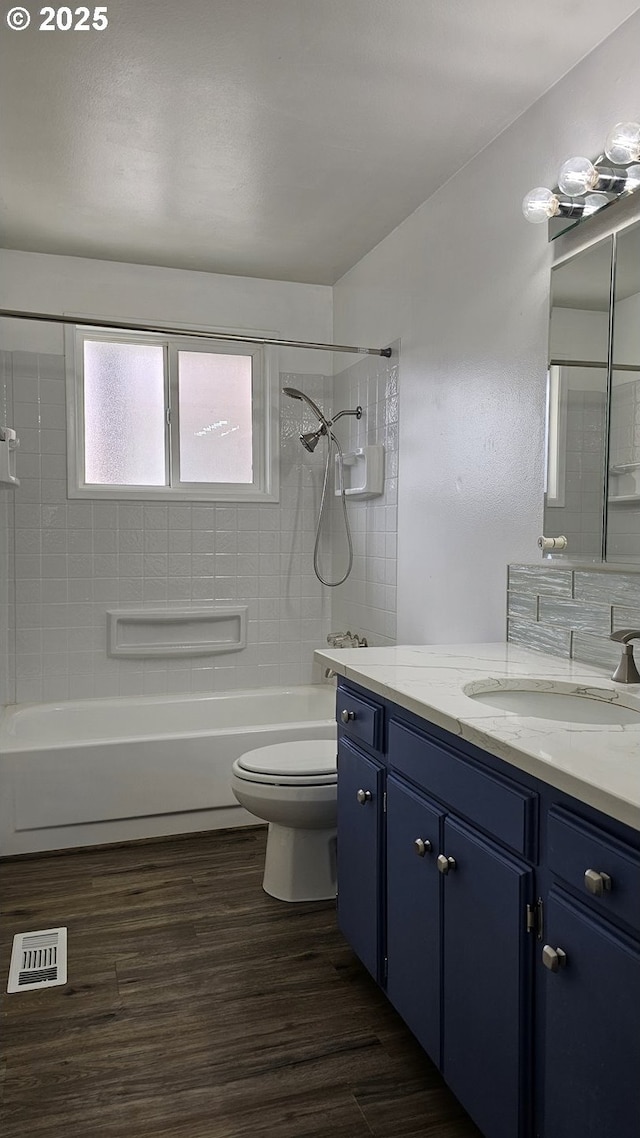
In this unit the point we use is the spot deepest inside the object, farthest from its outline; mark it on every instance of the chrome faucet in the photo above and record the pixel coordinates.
(626, 672)
(346, 640)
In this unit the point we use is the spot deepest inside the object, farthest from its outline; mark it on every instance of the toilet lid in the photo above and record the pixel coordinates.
(308, 758)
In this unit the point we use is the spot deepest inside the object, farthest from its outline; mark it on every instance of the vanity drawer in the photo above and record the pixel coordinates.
(500, 807)
(577, 848)
(360, 718)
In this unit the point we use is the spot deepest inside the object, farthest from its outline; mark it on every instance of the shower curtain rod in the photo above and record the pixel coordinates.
(232, 337)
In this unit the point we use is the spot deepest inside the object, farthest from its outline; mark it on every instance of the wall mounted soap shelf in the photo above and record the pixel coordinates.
(363, 472)
(148, 633)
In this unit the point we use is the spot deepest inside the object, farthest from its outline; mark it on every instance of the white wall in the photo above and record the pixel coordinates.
(464, 283)
(109, 289)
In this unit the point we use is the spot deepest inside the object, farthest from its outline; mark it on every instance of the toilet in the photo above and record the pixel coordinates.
(293, 787)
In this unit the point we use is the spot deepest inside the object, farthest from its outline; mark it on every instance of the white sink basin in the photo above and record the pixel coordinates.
(592, 705)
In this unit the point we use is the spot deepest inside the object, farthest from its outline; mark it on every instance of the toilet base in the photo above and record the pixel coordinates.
(300, 865)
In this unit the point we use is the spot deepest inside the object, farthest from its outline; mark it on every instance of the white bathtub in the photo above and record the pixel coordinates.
(92, 771)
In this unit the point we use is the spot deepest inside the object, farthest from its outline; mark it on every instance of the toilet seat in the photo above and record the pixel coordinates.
(306, 762)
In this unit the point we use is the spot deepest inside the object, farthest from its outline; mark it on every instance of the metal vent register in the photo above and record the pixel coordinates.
(38, 960)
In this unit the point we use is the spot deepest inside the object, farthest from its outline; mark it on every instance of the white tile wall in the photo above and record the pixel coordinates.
(366, 602)
(76, 559)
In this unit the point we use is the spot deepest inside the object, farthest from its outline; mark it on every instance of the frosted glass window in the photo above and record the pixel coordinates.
(160, 417)
(215, 411)
(124, 414)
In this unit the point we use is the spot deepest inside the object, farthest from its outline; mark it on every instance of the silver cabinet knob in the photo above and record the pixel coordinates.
(597, 883)
(422, 846)
(364, 796)
(346, 716)
(553, 958)
(446, 864)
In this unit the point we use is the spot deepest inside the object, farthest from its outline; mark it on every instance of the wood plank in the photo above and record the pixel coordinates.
(199, 1007)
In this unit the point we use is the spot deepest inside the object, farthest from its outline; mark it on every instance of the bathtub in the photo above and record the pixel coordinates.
(91, 771)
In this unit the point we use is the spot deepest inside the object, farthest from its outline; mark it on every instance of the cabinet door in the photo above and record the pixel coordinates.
(413, 913)
(592, 1045)
(487, 974)
(360, 790)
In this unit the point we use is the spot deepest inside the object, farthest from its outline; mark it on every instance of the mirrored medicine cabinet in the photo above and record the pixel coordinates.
(592, 491)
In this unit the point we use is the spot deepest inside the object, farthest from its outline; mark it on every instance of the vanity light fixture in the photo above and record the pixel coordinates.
(623, 143)
(585, 186)
(541, 204)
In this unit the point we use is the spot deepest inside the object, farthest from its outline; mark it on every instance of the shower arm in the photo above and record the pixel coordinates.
(357, 412)
(325, 427)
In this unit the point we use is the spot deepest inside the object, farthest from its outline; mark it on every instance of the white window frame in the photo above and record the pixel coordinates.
(265, 414)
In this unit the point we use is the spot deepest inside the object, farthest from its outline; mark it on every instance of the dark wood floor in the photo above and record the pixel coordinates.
(198, 1007)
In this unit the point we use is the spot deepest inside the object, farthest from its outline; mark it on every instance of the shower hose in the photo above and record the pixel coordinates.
(331, 442)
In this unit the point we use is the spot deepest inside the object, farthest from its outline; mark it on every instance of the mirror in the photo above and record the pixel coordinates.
(577, 411)
(623, 508)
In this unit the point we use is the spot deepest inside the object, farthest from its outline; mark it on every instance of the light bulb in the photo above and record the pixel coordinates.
(594, 202)
(577, 176)
(632, 178)
(623, 143)
(539, 205)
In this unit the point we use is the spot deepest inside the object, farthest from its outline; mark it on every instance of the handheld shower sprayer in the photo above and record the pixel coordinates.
(294, 393)
(310, 440)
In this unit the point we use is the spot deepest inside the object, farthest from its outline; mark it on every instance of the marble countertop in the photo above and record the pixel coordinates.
(597, 764)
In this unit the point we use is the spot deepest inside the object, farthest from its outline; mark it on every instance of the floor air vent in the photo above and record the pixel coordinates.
(38, 960)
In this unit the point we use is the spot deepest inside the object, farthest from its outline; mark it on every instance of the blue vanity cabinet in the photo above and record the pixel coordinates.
(591, 1051)
(457, 940)
(503, 918)
(591, 979)
(360, 853)
(463, 917)
(413, 912)
(486, 981)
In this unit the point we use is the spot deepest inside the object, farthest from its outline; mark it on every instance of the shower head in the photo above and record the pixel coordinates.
(294, 393)
(310, 440)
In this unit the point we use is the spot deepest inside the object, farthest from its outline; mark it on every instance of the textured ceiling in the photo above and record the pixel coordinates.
(271, 138)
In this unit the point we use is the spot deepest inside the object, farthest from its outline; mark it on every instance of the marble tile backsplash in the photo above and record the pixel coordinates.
(571, 612)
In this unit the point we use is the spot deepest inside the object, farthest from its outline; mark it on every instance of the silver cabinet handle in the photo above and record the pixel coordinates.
(422, 846)
(346, 716)
(597, 883)
(446, 864)
(553, 958)
(364, 796)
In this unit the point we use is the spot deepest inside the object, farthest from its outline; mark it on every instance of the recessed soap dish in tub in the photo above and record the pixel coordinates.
(363, 472)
